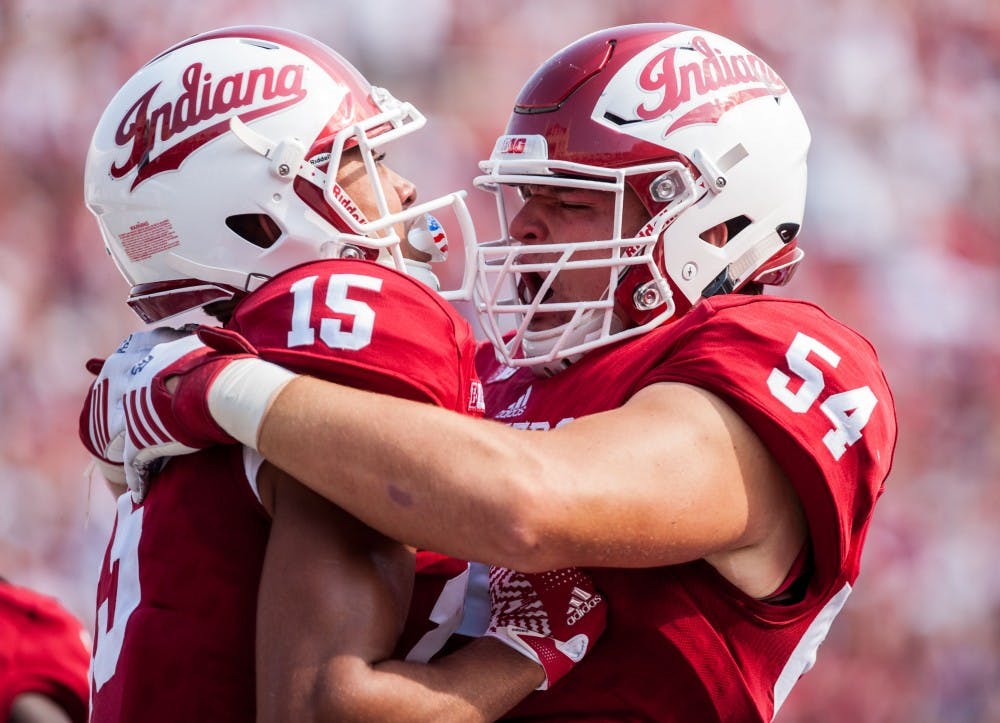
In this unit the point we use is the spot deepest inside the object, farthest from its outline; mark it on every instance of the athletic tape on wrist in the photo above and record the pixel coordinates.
(241, 394)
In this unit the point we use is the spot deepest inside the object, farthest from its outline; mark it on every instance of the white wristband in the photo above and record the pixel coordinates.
(241, 394)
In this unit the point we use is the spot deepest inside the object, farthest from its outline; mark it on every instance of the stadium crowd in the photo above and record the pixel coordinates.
(901, 236)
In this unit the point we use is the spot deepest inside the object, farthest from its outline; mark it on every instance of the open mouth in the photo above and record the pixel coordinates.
(528, 286)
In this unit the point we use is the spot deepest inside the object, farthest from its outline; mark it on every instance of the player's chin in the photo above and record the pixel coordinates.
(547, 322)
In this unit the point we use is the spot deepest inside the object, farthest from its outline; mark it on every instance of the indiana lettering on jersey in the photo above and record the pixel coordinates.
(718, 80)
(203, 98)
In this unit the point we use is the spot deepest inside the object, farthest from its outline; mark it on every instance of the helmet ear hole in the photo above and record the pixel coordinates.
(732, 227)
(735, 225)
(257, 228)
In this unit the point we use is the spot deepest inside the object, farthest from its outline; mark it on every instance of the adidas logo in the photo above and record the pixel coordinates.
(516, 408)
(581, 602)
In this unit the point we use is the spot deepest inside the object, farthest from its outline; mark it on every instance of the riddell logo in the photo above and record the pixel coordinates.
(702, 90)
(646, 231)
(340, 195)
(514, 145)
(203, 98)
(581, 602)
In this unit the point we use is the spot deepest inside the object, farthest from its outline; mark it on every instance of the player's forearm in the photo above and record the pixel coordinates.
(530, 501)
(326, 631)
(480, 682)
(37, 708)
(116, 489)
(419, 474)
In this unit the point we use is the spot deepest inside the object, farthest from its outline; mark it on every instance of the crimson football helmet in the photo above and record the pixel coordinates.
(215, 167)
(700, 129)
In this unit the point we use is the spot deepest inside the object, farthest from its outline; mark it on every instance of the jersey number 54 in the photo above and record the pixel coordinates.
(848, 411)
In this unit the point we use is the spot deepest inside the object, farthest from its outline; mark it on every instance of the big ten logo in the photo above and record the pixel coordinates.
(514, 144)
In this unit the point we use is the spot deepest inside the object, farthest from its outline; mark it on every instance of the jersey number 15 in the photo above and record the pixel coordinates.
(332, 331)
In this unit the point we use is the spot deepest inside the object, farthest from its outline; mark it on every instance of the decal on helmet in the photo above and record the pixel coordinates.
(697, 78)
(144, 239)
(203, 99)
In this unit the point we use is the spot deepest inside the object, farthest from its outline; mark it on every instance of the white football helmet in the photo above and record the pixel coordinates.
(704, 133)
(215, 167)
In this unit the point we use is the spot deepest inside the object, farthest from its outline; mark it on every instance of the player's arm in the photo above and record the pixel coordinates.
(325, 633)
(37, 708)
(673, 475)
(115, 487)
(46, 655)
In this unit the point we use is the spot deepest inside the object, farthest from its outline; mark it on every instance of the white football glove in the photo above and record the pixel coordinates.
(170, 419)
(148, 440)
(102, 420)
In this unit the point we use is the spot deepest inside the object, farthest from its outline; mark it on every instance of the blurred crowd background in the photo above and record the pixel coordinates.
(902, 236)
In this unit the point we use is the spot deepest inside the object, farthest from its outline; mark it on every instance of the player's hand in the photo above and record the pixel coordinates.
(166, 402)
(102, 420)
(553, 618)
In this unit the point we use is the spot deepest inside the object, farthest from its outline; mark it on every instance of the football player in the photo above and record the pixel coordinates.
(45, 653)
(242, 171)
(710, 454)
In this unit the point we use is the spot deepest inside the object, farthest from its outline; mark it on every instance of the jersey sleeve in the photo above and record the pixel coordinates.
(43, 649)
(813, 391)
(364, 325)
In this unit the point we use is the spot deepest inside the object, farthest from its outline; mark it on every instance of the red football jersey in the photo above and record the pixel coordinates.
(178, 590)
(43, 649)
(682, 643)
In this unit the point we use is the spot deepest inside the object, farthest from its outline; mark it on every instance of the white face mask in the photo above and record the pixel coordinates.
(540, 344)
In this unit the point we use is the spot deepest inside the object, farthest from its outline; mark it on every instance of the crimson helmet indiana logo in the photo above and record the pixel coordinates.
(701, 81)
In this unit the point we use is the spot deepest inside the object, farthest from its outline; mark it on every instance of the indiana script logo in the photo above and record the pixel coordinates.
(699, 83)
(203, 98)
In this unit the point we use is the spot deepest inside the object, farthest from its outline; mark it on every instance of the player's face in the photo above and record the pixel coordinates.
(565, 215)
(400, 192)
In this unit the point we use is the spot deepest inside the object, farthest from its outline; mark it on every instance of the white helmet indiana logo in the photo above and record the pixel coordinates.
(203, 99)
